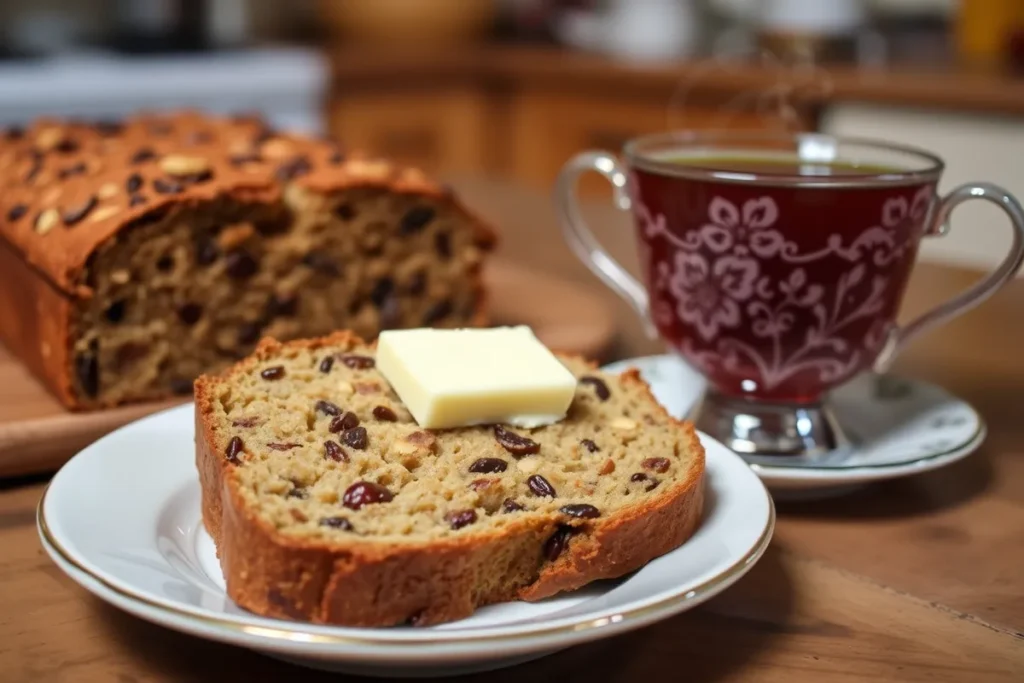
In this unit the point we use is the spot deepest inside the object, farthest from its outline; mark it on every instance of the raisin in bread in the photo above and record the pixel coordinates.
(135, 256)
(328, 503)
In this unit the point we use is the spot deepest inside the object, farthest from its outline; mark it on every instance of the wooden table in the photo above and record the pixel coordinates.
(915, 580)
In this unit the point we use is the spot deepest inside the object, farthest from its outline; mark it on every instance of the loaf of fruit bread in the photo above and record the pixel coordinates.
(136, 255)
(327, 502)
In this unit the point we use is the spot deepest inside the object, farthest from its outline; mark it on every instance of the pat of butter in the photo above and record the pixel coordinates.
(455, 378)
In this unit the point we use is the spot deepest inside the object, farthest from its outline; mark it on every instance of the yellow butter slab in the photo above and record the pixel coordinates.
(455, 378)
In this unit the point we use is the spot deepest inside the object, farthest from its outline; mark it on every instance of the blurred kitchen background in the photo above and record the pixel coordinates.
(513, 88)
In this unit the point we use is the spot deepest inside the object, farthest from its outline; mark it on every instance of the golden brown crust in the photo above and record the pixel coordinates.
(34, 319)
(625, 543)
(55, 170)
(361, 583)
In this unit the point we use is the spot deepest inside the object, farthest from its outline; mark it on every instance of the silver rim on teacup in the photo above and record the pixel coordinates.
(758, 427)
(815, 147)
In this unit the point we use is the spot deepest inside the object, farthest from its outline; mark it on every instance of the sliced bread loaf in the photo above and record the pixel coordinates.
(328, 503)
(135, 256)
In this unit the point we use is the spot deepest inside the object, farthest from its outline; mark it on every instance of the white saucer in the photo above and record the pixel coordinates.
(899, 427)
(122, 519)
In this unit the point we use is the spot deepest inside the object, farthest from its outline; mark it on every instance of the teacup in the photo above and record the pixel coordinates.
(775, 265)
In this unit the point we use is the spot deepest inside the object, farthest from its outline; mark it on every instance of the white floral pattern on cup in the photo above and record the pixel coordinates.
(745, 232)
(715, 277)
(709, 295)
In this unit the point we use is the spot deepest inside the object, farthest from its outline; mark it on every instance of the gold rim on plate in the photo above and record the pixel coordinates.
(299, 634)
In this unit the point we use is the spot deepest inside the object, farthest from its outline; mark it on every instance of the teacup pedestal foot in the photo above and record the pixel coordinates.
(754, 428)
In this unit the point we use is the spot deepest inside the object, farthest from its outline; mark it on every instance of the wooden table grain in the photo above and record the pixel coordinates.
(918, 579)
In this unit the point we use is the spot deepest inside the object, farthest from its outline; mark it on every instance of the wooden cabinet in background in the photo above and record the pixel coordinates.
(522, 114)
(523, 133)
(549, 127)
(437, 130)
(523, 111)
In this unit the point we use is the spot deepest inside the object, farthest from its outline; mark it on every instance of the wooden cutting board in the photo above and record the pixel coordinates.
(38, 435)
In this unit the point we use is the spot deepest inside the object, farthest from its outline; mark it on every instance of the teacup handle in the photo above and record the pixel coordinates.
(581, 239)
(900, 336)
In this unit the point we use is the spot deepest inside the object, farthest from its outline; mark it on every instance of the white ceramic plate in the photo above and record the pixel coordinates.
(122, 518)
(900, 427)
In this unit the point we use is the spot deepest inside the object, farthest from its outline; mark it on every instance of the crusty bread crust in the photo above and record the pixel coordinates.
(35, 320)
(362, 583)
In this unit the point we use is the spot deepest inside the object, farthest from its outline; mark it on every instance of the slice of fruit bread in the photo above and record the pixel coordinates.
(328, 503)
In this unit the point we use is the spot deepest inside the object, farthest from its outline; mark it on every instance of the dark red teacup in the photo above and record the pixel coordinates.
(775, 264)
